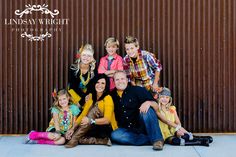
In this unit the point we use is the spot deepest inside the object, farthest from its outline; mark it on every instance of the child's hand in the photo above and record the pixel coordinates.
(155, 96)
(78, 104)
(183, 130)
(110, 73)
(133, 83)
(156, 88)
(69, 133)
(56, 136)
(179, 133)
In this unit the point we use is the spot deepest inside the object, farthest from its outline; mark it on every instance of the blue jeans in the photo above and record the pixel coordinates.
(148, 135)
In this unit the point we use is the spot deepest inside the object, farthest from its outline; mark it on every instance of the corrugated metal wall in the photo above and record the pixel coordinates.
(194, 39)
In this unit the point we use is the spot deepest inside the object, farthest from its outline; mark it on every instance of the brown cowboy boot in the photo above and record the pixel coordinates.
(94, 112)
(94, 140)
(83, 129)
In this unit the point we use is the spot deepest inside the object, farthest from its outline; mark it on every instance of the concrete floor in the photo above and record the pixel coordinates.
(11, 146)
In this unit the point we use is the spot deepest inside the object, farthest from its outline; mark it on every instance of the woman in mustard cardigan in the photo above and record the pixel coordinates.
(97, 120)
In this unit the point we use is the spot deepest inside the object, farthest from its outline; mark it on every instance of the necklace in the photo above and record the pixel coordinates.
(84, 82)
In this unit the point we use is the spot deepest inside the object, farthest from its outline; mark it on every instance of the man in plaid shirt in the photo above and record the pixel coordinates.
(142, 67)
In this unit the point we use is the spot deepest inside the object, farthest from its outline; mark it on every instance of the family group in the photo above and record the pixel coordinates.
(119, 101)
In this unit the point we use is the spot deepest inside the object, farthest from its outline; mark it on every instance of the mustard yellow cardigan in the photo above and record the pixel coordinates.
(106, 106)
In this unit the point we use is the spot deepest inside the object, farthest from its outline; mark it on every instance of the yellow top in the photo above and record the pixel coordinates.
(106, 106)
(75, 97)
(166, 130)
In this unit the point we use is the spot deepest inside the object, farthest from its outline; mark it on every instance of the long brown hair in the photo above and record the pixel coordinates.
(106, 90)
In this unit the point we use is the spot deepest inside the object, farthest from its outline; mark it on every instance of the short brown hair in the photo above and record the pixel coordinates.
(131, 40)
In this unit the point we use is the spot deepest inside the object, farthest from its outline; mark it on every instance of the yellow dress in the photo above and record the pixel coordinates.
(166, 130)
(106, 106)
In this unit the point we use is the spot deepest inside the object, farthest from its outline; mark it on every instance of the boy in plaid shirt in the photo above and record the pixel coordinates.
(142, 67)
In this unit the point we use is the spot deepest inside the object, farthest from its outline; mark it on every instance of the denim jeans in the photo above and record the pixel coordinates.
(148, 135)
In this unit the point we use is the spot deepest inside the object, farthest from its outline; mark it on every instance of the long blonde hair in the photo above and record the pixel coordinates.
(56, 98)
(167, 105)
(92, 65)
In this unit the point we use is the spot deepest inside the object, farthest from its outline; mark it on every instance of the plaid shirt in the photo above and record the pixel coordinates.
(142, 72)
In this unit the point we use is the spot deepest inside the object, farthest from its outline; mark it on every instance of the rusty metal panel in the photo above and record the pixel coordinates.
(194, 39)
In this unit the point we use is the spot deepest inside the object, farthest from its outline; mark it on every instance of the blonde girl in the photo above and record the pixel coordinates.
(172, 131)
(64, 115)
(81, 74)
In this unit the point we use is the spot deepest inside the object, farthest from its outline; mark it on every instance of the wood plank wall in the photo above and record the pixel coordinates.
(194, 39)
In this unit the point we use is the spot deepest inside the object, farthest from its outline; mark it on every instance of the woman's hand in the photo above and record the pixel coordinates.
(85, 120)
(87, 98)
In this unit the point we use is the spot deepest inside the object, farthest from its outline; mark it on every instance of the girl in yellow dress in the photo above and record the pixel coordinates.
(172, 131)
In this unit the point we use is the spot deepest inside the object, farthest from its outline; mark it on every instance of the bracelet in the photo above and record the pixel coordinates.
(92, 121)
(177, 127)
